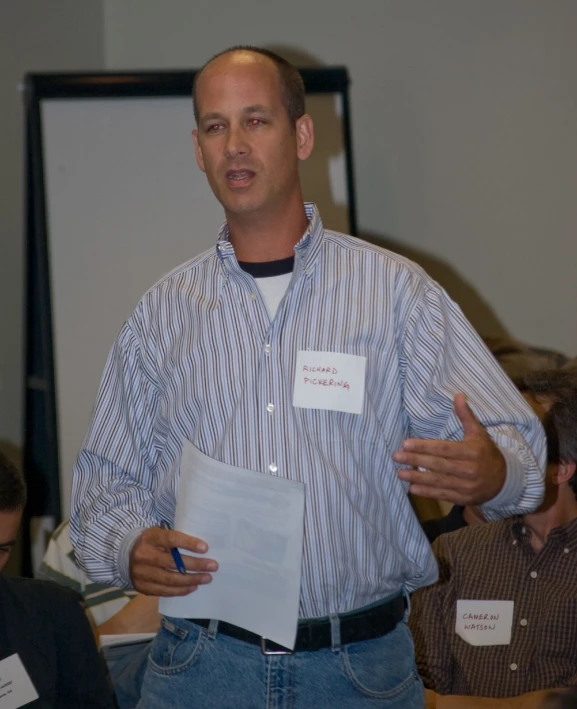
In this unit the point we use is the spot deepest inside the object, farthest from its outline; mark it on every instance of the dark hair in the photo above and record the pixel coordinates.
(558, 388)
(561, 699)
(12, 486)
(292, 85)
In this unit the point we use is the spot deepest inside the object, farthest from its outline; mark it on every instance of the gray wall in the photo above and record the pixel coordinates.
(35, 35)
(464, 115)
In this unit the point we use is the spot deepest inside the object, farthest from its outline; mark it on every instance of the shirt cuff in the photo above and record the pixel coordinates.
(513, 486)
(123, 560)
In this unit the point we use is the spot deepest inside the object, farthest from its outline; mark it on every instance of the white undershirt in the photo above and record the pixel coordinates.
(272, 289)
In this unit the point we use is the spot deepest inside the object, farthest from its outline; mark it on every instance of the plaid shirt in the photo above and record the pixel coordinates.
(496, 561)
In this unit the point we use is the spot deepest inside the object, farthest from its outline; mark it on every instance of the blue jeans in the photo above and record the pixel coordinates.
(192, 667)
(126, 667)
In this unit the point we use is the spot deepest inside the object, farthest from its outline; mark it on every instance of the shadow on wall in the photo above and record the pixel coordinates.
(476, 310)
(317, 186)
(330, 196)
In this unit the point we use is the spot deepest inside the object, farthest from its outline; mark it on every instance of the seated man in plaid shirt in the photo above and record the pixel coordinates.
(502, 619)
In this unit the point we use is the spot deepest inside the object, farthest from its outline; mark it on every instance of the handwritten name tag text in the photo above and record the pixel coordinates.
(329, 380)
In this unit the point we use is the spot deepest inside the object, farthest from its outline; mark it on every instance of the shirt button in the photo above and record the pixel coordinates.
(270, 408)
(308, 271)
(565, 551)
(513, 666)
(267, 348)
(523, 622)
(514, 542)
(273, 467)
(533, 574)
(253, 296)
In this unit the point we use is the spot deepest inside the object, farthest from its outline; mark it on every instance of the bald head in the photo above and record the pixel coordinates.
(290, 81)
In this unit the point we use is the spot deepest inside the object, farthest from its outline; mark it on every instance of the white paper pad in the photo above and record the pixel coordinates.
(253, 525)
(329, 380)
(125, 639)
(16, 688)
(484, 622)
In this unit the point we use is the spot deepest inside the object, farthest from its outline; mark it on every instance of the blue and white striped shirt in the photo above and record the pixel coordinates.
(200, 359)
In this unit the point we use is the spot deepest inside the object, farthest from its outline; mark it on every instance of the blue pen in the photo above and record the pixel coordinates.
(174, 551)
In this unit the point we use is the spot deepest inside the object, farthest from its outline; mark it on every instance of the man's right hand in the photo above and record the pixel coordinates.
(152, 568)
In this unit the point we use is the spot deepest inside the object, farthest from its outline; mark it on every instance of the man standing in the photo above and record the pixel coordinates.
(209, 356)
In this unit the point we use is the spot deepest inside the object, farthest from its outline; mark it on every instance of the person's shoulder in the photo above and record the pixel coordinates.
(61, 535)
(473, 536)
(42, 592)
(385, 266)
(204, 260)
(355, 244)
(196, 280)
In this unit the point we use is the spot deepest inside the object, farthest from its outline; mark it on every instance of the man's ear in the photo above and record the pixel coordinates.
(198, 150)
(305, 133)
(563, 472)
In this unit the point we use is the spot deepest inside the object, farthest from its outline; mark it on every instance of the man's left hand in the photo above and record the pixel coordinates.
(467, 472)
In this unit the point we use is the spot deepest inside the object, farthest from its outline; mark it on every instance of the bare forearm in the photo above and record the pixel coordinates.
(139, 615)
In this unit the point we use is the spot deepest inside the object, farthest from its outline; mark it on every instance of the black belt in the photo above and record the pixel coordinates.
(315, 633)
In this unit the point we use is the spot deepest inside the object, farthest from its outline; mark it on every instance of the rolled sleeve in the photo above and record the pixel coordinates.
(444, 356)
(518, 495)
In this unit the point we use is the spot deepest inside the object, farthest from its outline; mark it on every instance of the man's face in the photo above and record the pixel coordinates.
(245, 142)
(9, 524)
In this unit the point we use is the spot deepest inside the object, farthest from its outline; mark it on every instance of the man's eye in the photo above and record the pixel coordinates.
(255, 122)
(213, 128)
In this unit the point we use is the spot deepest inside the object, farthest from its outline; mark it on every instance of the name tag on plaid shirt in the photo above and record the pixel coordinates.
(484, 622)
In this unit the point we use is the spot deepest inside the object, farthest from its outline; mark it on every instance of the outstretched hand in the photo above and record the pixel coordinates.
(467, 472)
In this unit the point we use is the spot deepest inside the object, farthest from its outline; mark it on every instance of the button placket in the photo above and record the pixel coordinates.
(270, 397)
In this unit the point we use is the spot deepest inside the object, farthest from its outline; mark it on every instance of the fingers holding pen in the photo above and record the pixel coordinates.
(152, 563)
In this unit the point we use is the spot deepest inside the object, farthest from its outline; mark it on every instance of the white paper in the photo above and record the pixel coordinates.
(16, 688)
(253, 525)
(484, 622)
(125, 639)
(329, 380)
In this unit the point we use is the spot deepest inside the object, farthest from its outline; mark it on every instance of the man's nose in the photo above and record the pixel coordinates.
(236, 143)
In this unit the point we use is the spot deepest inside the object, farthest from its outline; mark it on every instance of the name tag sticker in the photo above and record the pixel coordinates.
(16, 688)
(330, 380)
(484, 622)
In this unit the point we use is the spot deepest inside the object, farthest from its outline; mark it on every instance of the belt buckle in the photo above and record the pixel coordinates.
(273, 651)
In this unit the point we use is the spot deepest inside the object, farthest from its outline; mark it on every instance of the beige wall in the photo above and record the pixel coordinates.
(464, 116)
(35, 35)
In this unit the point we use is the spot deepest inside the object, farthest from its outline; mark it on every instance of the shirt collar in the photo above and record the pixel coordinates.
(567, 534)
(306, 250)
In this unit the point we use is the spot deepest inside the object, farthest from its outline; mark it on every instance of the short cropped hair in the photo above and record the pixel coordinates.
(292, 84)
(12, 486)
(558, 389)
